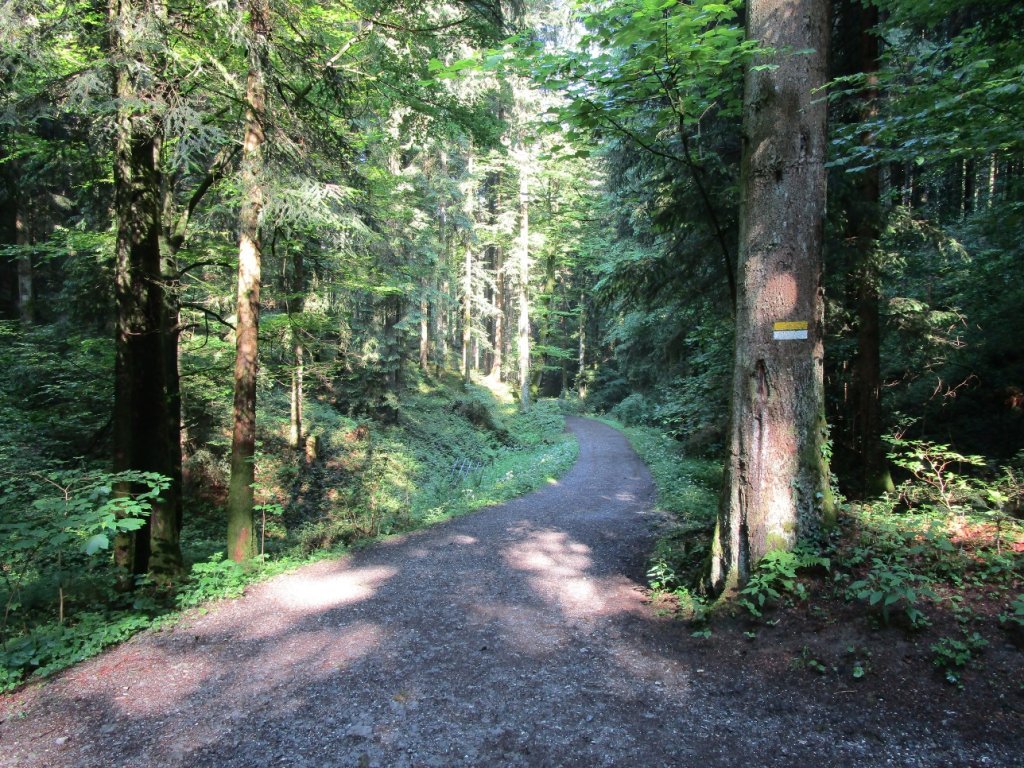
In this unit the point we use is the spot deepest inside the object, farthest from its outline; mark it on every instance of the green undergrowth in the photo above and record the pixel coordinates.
(687, 494)
(444, 452)
(940, 558)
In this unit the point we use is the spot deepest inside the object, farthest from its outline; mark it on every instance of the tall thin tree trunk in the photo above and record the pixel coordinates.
(444, 324)
(498, 359)
(544, 323)
(25, 308)
(581, 378)
(424, 328)
(467, 275)
(776, 488)
(993, 168)
(296, 305)
(241, 538)
(864, 226)
(524, 282)
(970, 190)
(467, 313)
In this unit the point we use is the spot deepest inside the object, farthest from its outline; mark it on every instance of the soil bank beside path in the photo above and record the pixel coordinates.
(517, 636)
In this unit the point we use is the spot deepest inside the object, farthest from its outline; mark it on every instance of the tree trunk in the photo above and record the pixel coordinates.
(467, 276)
(467, 314)
(544, 323)
(145, 341)
(581, 378)
(498, 360)
(424, 329)
(241, 539)
(524, 282)
(776, 489)
(296, 305)
(25, 310)
(864, 225)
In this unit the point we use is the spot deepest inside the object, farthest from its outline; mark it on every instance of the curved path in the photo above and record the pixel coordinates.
(517, 636)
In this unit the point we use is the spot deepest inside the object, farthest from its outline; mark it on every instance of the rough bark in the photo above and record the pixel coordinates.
(864, 225)
(776, 490)
(424, 329)
(524, 283)
(296, 305)
(467, 275)
(144, 406)
(241, 538)
(498, 359)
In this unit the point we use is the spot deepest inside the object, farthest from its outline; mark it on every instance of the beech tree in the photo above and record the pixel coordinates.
(776, 481)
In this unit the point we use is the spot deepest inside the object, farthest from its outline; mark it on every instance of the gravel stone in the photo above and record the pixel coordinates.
(517, 636)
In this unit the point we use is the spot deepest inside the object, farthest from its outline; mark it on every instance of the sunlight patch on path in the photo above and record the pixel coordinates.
(559, 575)
(314, 593)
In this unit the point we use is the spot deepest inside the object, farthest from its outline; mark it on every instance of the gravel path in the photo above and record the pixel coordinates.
(518, 636)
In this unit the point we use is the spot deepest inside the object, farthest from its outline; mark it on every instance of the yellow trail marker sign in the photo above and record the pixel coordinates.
(790, 330)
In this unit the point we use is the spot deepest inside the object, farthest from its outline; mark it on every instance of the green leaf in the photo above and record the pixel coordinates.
(96, 543)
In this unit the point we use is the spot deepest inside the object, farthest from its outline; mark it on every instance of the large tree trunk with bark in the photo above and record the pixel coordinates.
(146, 341)
(863, 229)
(776, 487)
(241, 538)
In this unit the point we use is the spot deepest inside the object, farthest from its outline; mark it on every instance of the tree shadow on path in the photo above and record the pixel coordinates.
(517, 636)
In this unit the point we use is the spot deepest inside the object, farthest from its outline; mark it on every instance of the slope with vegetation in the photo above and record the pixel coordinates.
(263, 256)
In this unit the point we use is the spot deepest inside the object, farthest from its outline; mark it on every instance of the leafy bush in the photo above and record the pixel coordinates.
(889, 584)
(214, 579)
(634, 410)
(952, 655)
(52, 525)
(687, 490)
(775, 577)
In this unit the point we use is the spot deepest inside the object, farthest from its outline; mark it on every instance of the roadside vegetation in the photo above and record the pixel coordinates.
(446, 452)
(939, 560)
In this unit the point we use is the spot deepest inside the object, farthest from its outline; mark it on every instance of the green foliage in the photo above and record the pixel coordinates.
(951, 655)
(52, 527)
(215, 579)
(55, 394)
(633, 410)
(51, 524)
(53, 646)
(775, 578)
(937, 470)
(807, 660)
(1014, 614)
(943, 70)
(890, 584)
(687, 491)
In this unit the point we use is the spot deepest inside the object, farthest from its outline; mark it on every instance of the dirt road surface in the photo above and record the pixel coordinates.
(517, 636)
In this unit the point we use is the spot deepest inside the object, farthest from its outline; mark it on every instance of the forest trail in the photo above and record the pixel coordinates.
(517, 636)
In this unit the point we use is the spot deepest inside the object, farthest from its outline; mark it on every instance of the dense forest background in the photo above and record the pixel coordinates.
(320, 266)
